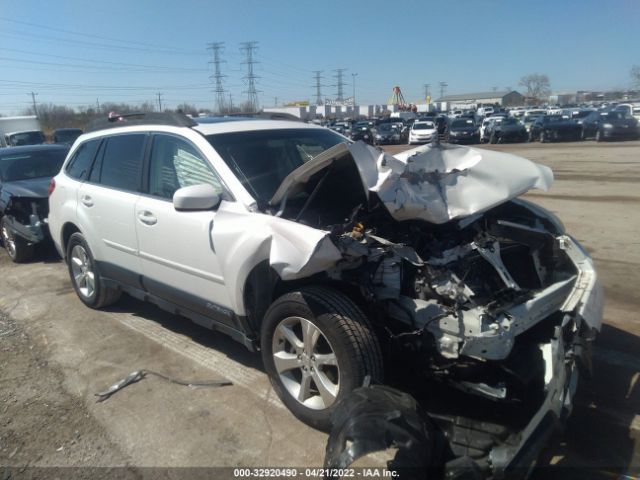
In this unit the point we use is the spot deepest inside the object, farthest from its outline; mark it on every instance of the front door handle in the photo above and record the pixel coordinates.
(86, 201)
(147, 217)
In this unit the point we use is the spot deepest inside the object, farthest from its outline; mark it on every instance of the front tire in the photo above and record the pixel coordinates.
(598, 136)
(317, 346)
(85, 277)
(17, 247)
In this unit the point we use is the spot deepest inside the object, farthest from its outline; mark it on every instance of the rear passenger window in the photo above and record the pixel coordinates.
(80, 164)
(122, 162)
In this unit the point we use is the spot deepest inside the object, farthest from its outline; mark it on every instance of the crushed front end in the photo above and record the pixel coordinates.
(490, 318)
(484, 306)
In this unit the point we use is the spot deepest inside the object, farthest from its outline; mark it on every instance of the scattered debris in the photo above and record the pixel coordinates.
(138, 375)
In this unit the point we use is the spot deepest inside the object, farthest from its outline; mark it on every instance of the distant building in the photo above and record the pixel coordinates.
(504, 98)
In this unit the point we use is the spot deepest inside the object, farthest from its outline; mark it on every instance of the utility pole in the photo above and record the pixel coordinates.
(97, 105)
(443, 88)
(275, 101)
(318, 86)
(426, 91)
(340, 83)
(33, 99)
(230, 103)
(216, 48)
(248, 48)
(353, 76)
(159, 101)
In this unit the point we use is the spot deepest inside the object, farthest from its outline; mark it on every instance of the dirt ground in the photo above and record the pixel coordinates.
(55, 354)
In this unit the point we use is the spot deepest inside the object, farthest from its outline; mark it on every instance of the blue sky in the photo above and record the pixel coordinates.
(74, 52)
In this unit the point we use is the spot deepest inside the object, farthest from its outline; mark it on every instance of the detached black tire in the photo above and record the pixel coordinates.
(85, 276)
(17, 248)
(317, 347)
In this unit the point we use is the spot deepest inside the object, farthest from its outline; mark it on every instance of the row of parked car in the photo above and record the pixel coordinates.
(498, 127)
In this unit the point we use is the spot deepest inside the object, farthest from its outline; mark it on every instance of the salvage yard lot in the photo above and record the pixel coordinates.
(57, 354)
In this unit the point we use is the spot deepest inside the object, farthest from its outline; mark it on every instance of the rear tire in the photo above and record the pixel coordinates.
(17, 248)
(304, 325)
(85, 276)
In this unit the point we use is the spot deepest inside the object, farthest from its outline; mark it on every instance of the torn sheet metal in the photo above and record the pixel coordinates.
(442, 182)
(242, 240)
(436, 183)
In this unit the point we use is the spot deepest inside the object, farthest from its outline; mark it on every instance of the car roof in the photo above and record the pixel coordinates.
(250, 125)
(32, 148)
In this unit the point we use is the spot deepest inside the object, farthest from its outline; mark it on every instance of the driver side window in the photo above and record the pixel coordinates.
(175, 164)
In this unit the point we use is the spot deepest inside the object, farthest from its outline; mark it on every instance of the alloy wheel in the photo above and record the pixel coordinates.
(8, 240)
(83, 274)
(306, 363)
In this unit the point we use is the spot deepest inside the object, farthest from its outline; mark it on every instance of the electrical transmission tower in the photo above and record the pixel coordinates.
(318, 76)
(216, 48)
(248, 48)
(426, 90)
(339, 83)
(443, 88)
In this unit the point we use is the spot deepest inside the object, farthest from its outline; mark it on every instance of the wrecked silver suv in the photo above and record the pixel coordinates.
(421, 274)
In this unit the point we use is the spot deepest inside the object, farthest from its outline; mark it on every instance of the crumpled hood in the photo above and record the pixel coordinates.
(32, 188)
(436, 183)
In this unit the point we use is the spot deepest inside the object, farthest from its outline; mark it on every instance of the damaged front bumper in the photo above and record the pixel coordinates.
(33, 232)
(476, 447)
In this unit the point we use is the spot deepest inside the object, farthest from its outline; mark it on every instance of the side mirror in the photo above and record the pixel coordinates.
(196, 197)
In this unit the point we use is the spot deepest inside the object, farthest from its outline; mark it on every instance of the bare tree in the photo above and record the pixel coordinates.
(537, 85)
(635, 76)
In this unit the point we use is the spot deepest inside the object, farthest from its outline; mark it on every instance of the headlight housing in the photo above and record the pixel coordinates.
(607, 125)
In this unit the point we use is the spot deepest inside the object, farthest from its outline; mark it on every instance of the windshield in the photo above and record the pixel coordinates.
(67, 136)
(581, 114)
(262, 159)
(424, 126)
(510, 121)
(619, 115)
(28, 165)
(385, 127)
(554, 119)
(462, 123)
(26, 138)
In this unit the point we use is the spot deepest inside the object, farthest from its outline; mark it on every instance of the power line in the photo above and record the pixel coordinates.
(216, 48)
(110, 39)
(252, 94)
(340, 83)
(318, 77)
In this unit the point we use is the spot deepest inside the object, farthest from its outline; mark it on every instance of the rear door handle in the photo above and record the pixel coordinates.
(147, 217)
(86, 201)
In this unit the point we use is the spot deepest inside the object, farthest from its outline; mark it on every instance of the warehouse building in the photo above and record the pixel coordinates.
(506, 98)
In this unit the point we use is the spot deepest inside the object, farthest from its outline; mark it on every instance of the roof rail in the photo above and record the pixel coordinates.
(267, 116)
(114, 120)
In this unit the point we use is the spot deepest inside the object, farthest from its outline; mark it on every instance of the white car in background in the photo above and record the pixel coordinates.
(422, 132)
(486, 122)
